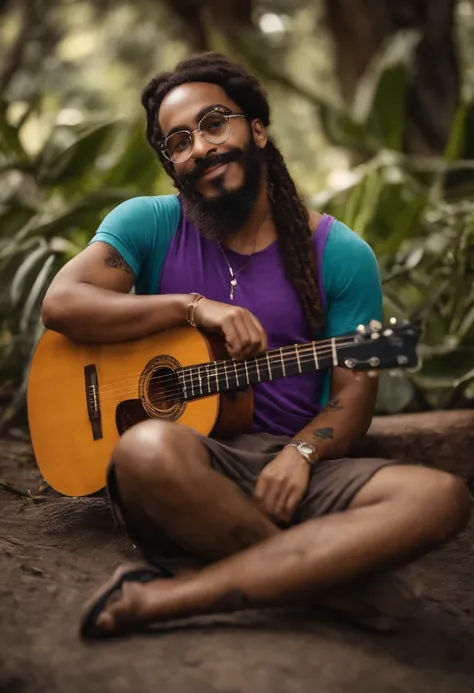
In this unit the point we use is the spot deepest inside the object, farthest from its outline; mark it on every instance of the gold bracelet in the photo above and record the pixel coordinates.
(192, 308)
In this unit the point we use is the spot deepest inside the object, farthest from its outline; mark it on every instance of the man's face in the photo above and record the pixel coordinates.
(219, 182)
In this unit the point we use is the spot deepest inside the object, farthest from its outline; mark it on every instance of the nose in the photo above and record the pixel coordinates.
(201, 147)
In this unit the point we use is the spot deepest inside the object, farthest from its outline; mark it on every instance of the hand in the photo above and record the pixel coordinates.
(282, 484)
(243, 332)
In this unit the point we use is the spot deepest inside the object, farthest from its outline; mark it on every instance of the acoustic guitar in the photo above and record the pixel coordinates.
(83, 396)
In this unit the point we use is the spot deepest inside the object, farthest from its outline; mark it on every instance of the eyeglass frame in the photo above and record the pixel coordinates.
(191, 133)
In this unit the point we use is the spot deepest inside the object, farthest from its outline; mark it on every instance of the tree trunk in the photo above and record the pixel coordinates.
(359, 27)
(227, 15)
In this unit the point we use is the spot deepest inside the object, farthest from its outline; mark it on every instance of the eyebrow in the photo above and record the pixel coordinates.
(204, 111)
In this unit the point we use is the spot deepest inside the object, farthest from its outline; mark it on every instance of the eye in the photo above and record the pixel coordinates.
(179, 142)
(214, 122)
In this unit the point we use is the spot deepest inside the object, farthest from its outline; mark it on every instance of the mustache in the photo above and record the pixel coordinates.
(203, 165)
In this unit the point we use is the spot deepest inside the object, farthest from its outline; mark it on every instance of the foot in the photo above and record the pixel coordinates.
(135, 596)
(130, 607)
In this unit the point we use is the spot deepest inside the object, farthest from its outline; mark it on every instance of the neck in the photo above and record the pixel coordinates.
(260, 223)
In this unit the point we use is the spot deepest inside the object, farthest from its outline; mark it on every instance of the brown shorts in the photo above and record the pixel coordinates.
(333, 485)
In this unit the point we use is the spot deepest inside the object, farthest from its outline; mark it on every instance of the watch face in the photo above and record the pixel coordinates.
(306, 448)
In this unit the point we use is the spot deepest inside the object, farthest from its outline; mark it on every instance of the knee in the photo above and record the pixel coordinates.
(445, 505)
(149, 452)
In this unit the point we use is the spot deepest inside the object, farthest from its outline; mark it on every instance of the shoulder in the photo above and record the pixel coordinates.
(347, 244)
(151, 210)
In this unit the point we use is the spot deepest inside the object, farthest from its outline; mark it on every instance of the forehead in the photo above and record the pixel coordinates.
(181, 105)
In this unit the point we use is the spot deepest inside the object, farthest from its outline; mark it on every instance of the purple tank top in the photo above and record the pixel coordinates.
(194, 264)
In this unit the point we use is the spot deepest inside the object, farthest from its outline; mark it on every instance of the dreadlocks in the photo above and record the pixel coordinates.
(289, 211)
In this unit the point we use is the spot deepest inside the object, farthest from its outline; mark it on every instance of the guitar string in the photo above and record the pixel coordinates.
(159, 383)
(223, 365)
(179, 390)
(220, 369)
(289, 348)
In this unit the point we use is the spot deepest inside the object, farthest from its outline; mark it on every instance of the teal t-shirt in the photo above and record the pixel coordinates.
(146, 233)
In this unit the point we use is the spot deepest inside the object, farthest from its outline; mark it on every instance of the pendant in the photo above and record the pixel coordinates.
(233, 284)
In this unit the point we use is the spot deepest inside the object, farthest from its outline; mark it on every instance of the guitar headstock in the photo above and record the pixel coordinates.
(376, 346)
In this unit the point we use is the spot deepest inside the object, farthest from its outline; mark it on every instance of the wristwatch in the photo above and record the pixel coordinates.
(306, 450)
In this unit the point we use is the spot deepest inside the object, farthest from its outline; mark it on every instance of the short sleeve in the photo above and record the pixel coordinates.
(352, 286)
(352, 282)
(140, 229)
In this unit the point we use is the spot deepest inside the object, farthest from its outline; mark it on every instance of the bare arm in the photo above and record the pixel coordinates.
(89, 300)
(347, 416)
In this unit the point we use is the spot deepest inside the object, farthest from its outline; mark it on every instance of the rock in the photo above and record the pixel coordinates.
(441, 439)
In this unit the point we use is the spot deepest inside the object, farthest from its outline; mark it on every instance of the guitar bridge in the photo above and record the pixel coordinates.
(93, 402)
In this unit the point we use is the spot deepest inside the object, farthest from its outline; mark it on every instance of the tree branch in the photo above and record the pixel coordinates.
(14, 61)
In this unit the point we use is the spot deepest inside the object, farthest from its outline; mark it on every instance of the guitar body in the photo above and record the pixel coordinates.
(83, 396)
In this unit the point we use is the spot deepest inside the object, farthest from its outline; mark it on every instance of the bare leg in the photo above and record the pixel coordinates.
(402, 513)
(167, 485)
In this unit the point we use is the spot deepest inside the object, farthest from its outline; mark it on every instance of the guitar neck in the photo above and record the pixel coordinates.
(221, 376)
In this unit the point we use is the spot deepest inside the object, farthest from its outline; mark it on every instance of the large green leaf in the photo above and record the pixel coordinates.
(78, 160)
(9, 138)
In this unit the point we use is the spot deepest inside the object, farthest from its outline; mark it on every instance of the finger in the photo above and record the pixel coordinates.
(262, 335)
(291, 504)
(246, 333)
(235, 337)
(271, 499)
(281, 502)
(259, 490)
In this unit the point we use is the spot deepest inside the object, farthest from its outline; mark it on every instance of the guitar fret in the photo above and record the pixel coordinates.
(298, 358)
(247, 372)
(269, 367)
(282, 362)
(208, 379)
(315, 353)
(257, 368)
(200, 379)
(192, 380)
(236, 373)
(216, 375)
(226, 376)
(334, 352)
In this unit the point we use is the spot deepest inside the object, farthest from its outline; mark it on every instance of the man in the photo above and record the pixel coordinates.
(279, 515)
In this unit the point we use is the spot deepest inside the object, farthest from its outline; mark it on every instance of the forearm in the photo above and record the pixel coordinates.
(339, 426)
(88, 313)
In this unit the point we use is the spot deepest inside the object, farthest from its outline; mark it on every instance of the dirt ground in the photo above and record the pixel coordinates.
(55, 552)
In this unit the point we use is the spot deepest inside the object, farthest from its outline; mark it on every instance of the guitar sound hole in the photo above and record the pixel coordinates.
(164, 390)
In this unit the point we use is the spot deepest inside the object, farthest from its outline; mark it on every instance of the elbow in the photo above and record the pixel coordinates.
(54, 313)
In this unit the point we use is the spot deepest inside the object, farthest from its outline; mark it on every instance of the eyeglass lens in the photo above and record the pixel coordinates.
(214, 127)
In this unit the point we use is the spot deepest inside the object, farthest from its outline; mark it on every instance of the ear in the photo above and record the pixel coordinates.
(259, 133)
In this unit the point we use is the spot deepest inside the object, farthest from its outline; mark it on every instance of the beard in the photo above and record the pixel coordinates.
(222, 216)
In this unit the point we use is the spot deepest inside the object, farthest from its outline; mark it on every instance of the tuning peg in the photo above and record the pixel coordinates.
(361, 329)
(387, 333)
(375, 325)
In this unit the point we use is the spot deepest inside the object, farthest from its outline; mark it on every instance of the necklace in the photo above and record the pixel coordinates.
(233, 275)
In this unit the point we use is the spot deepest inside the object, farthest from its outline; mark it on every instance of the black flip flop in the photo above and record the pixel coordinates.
(131, 573)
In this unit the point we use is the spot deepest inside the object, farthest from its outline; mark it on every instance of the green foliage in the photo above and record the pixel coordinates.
(50, 206)
(415, 212)
(417, 215)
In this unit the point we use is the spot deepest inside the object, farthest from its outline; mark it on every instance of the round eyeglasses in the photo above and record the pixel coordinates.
(214, 127)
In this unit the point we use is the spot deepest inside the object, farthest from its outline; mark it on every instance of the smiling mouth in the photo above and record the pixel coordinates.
(214, 170)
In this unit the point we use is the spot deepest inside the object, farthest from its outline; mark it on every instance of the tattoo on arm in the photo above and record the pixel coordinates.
(333, 405)
(115, 260)
(320, 434)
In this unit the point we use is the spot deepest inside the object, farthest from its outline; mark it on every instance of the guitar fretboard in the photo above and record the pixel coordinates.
(220, 376)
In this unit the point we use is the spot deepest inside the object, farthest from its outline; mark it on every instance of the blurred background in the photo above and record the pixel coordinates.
(372, 104)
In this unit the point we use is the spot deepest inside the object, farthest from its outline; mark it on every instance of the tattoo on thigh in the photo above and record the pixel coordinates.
(320, 434)
(333, 405)
(115, 260)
